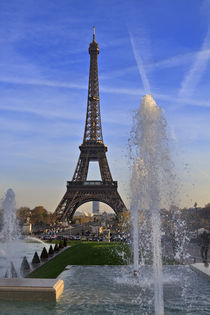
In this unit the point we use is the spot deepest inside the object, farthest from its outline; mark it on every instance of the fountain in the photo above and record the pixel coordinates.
(10, 227)
(10, 234)
(13, 246)
(13, 250)
(153, 187)
(150, 187)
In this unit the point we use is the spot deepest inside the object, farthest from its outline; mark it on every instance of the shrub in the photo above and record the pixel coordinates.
(35, 259)
(51, 251)
(25, 267)
(64, 242)
(13, 271)
(44, 254)
(6, 274)
(61, 244)
(56, 248)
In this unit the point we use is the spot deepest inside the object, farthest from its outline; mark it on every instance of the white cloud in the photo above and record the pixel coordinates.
(117, 73)
(49, 83)
(140, 66)
(178, 60)
(194, 75)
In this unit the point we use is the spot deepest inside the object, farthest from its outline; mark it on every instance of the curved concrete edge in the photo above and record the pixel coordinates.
(202, 269)
(30, 289)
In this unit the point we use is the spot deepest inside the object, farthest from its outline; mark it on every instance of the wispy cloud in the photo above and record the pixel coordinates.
(68, 85)
(60, 105)
(178, 60)
(45, 128)
(140, 66)
(197, 69)
(174, 61)
(117, 73)
(54, 105)
(189, 129)
(49, 83)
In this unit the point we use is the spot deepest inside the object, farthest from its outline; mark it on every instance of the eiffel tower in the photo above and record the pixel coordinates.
(79, 189)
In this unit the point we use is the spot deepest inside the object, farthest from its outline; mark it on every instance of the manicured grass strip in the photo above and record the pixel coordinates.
(83, 254)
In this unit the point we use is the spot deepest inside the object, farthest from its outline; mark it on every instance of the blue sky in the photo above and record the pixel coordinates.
(159, 47)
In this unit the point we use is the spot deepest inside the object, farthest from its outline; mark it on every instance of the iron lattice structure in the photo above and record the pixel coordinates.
(80, 190)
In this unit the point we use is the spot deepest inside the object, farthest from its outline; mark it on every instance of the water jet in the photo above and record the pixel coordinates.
(12, 286)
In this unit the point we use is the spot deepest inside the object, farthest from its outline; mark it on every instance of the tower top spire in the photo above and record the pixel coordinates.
(94, 33)
(93, 129)
(93, 48)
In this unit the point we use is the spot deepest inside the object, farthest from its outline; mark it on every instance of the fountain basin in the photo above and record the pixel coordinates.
(114, 290)
(30, 289)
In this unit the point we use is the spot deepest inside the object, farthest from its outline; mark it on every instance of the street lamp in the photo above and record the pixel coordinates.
(196, 211)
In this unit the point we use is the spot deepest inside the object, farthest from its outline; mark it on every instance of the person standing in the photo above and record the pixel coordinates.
(204, 239)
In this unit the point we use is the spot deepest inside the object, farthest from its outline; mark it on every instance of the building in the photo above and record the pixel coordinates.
(95, 207)
(27, 228)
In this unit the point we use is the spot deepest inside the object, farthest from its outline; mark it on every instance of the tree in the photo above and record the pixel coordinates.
(39, 215)
(23, 213)
(51, 217)
(124, 222)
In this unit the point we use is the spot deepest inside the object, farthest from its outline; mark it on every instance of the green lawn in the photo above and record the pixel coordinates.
(89, 253)
(85, 253)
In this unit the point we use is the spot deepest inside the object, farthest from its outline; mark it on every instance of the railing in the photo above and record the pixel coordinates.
(93, 182)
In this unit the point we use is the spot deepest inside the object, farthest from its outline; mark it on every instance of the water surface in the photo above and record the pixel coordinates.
(114, 290)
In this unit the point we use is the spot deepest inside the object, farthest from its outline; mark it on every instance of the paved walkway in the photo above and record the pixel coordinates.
(191, 253)
(202, 268)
